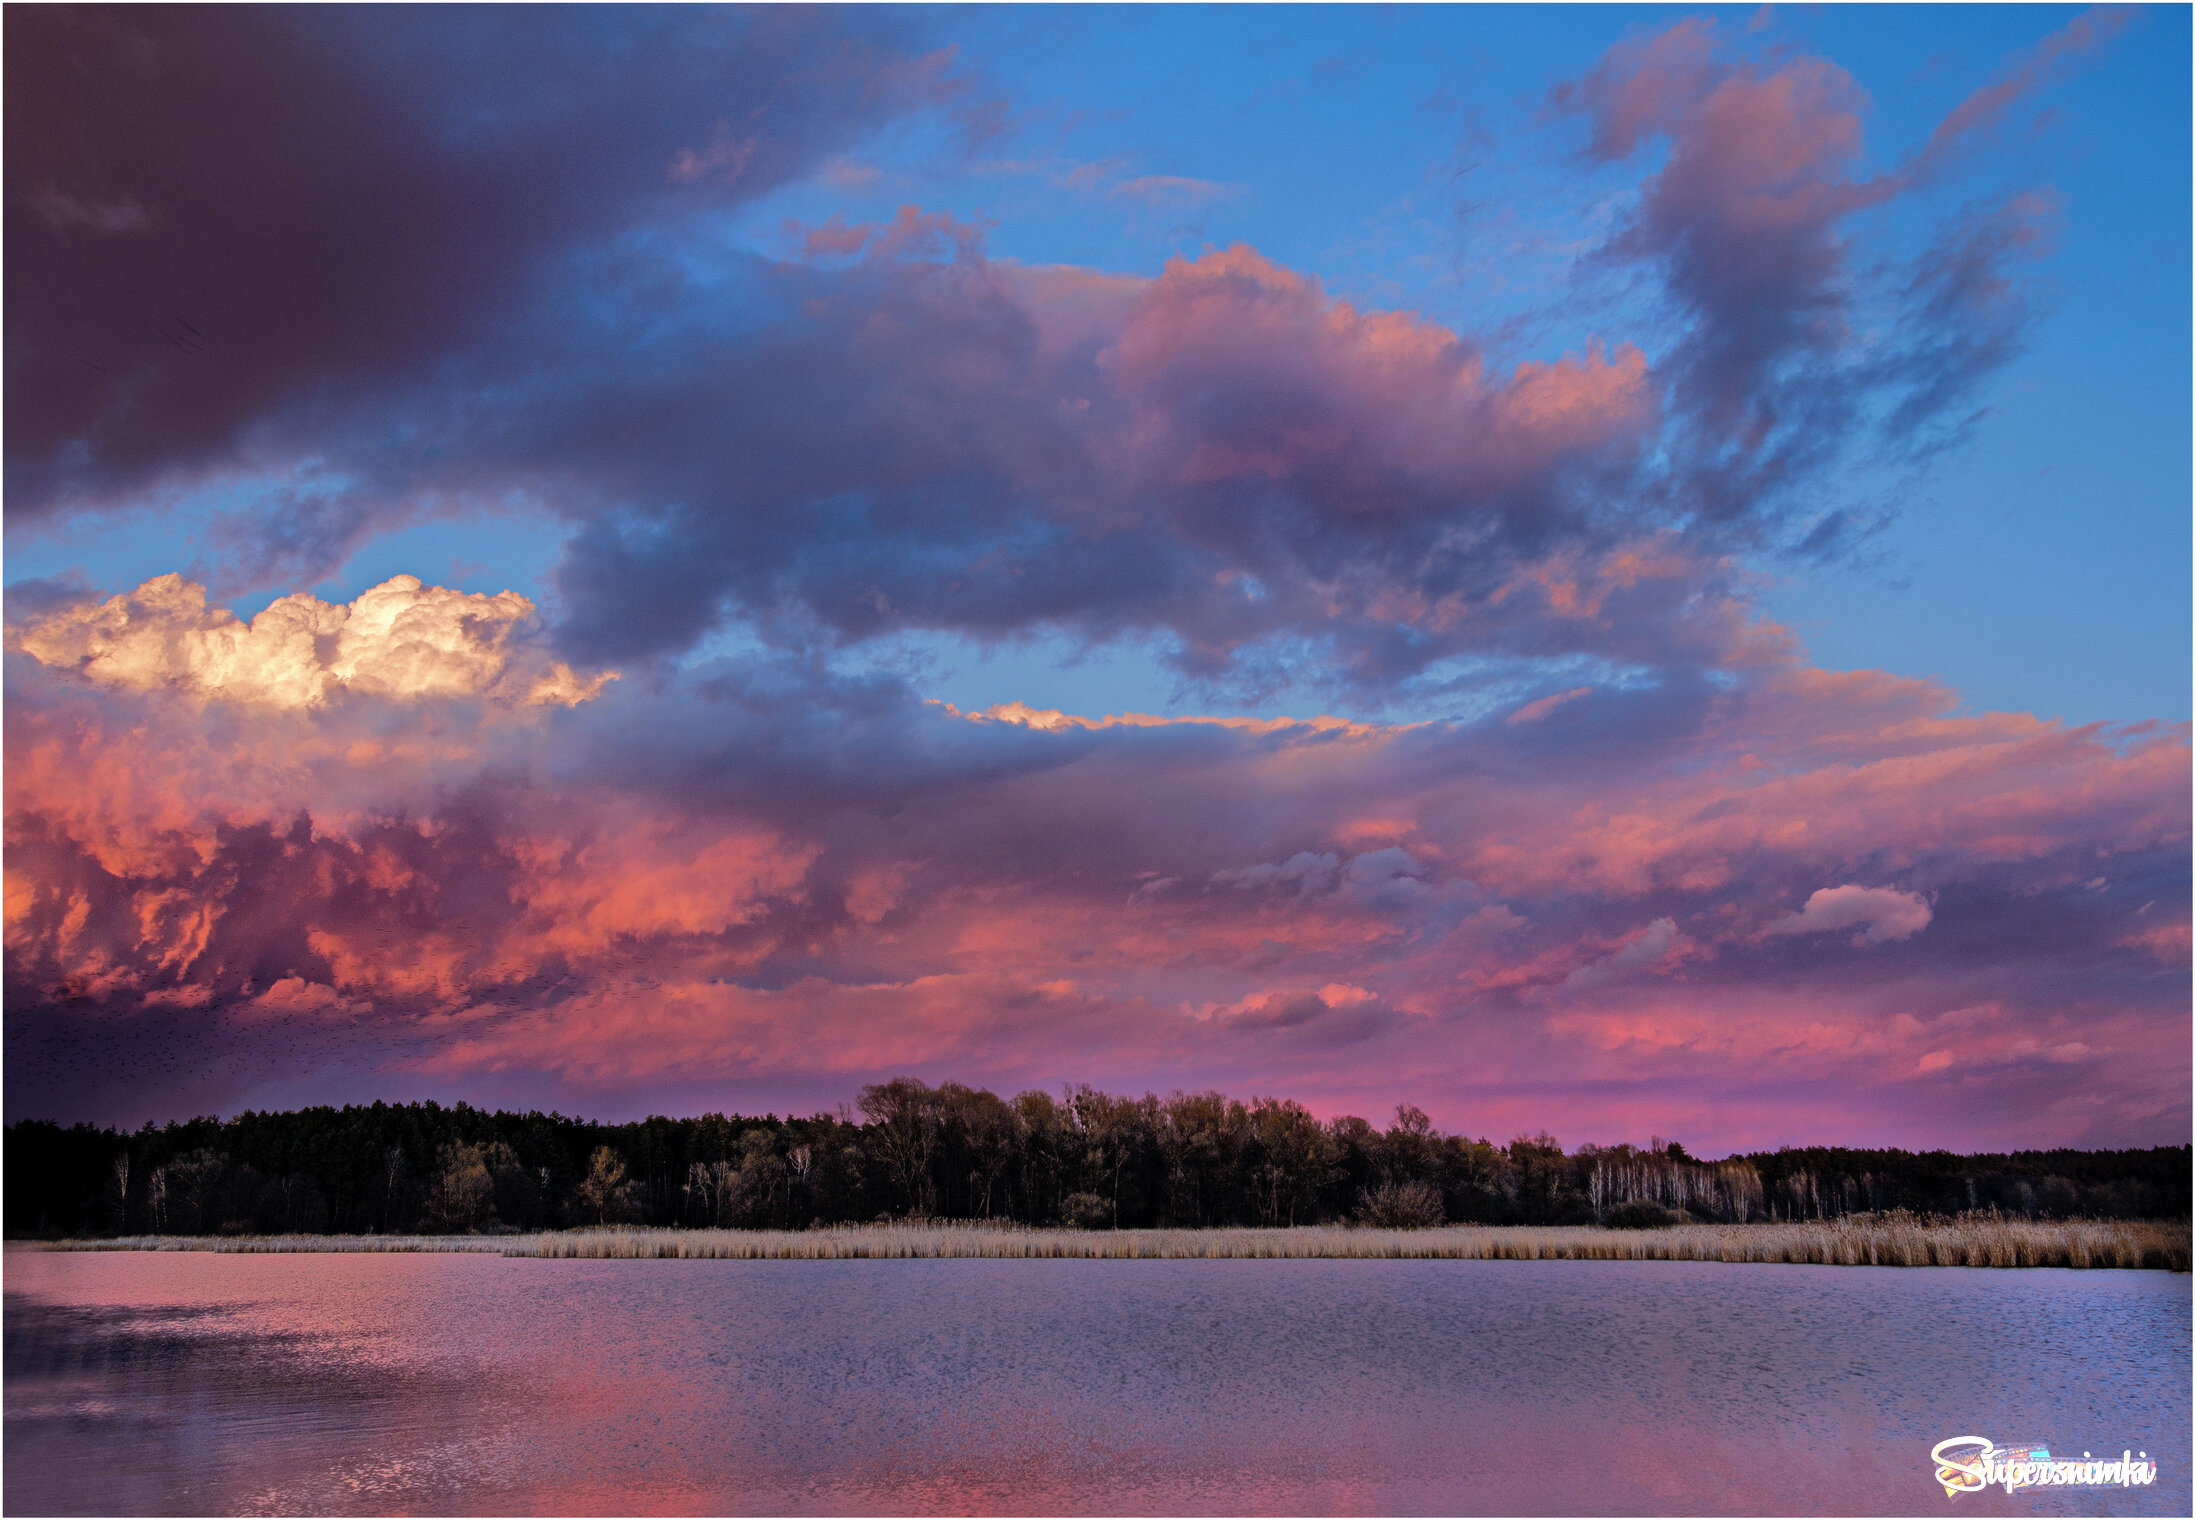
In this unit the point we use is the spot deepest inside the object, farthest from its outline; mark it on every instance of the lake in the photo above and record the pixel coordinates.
(203, 1383)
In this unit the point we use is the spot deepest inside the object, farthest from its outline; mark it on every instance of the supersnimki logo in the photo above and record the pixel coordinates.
(1968, 1464)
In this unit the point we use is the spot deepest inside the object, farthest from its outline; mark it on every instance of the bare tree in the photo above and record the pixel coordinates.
(904, 1113)
(118, 1193)
(392, 1175)
(156, 1199)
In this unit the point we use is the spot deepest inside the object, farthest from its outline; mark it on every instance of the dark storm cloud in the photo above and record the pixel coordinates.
(224, 217)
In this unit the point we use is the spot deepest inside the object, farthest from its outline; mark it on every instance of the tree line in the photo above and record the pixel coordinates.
(1082, 1158)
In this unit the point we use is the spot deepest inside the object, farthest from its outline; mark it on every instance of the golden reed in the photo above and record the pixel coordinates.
(1887, 1240)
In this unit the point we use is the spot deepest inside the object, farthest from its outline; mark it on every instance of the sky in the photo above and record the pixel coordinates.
(1613, 570)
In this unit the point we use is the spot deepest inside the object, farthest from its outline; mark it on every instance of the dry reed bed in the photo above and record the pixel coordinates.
(1980, 1242)
(1882, 1241)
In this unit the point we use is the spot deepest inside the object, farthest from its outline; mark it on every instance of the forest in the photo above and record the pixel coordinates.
(909, 1150)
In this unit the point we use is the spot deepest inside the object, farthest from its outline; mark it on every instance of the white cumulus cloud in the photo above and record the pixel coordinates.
(401, 639)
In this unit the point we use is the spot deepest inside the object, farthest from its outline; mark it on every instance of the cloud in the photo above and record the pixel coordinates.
(895, 433)
(1174, 191)
(833, 236)
(1745, 207)
(1746, 222)
(1223, 456)
(248, 215)
(1532, 712)
(1882, 914)
(1305, 871)
(1971, 314)
(1657, 948)
(400, 639)
(1987, 106)
(65, 214)
(760, 872)
(419, 832)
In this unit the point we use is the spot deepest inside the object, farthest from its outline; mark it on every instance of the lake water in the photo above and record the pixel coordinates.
(187, 1383)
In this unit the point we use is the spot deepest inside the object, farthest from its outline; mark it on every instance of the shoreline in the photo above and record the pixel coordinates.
(1853, 1241)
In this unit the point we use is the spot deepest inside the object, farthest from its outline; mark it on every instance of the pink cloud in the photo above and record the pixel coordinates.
(1746, 222)
(2085, 33)
(1351, 912)
(1234, 367)
(1881, 914)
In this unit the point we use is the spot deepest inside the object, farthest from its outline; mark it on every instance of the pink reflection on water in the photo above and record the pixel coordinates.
(445, 1384)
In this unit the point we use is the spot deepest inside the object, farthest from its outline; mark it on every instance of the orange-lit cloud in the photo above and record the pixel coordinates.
(1802, 877)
